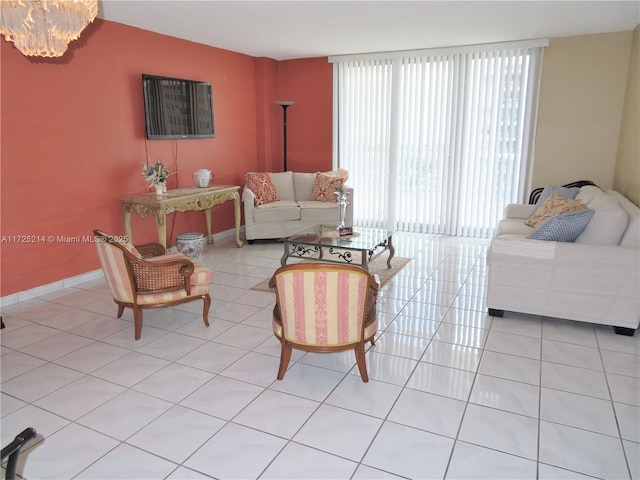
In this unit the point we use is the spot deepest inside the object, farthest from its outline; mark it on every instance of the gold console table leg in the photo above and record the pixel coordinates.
(207, 218)
(236, 205)
(161, 227)
(126, 218)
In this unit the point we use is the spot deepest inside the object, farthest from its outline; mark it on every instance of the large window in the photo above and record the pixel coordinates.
(437, 141)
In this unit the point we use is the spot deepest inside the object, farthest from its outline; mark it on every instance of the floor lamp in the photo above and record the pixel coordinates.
(285, 105)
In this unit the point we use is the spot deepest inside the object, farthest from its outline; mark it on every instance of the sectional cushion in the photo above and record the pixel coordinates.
(554, 205)
(565, 227)
(608, 223)
(588, 193)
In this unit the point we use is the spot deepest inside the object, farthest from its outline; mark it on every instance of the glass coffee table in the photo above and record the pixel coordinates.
(323, 244)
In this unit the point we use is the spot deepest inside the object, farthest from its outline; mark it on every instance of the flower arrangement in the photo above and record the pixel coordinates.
(156, 174)
(340, 178)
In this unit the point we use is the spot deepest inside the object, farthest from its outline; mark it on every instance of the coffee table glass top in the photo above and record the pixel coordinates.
(327, 235)
(323, 243)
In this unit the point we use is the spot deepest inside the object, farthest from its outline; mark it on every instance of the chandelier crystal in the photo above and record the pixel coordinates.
(44, 28)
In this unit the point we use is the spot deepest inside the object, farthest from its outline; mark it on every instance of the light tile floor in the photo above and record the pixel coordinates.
(454, 393)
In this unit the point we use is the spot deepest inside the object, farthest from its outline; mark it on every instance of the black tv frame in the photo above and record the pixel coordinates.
(177, 108)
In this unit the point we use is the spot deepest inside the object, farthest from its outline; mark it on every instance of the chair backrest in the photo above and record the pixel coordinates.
(322, 304)
(114, 265)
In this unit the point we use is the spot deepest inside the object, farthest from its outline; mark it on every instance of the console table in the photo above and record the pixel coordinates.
(180, 200)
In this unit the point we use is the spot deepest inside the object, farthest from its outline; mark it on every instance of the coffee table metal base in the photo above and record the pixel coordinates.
(322, 251)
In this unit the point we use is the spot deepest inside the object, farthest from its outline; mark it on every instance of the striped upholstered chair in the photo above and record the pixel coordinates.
(324, 308)
(145, 277)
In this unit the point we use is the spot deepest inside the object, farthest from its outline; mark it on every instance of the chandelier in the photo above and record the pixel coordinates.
(44, 28)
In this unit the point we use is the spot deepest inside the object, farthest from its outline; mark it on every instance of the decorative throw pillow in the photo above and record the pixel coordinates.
(552, 206)
(565, 227)
(262, 187)
(327, 184)
(567, 192)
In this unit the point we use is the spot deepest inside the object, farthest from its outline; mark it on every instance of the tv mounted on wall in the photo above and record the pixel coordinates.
(176, 108)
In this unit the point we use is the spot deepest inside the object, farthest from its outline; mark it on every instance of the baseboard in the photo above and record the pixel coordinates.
(79, 279)
(49, 288)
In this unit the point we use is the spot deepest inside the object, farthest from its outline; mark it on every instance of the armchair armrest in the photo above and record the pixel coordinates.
(148, 250)
(159, 275)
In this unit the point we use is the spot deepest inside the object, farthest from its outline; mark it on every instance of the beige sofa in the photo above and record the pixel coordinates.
(293, 212)
(594, 279)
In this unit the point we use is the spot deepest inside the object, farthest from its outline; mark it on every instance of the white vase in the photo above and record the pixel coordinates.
(161, 188)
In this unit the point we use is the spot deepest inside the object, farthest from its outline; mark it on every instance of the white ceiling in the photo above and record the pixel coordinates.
(303, 29)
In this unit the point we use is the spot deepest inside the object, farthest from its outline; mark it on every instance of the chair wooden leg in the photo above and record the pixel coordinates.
(285, 357)
(361, 361)
(120, 310)
(137, 321)
(205, 310)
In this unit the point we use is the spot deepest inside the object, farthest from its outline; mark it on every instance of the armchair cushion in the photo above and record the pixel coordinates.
(201, 275)
(169, 297)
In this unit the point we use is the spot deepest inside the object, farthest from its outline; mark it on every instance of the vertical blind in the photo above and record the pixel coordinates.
(437, 141)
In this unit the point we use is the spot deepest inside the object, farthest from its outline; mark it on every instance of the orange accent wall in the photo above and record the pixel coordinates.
(73, 140)
(308, 82)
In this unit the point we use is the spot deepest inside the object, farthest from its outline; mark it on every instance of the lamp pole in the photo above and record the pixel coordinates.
(285, 104)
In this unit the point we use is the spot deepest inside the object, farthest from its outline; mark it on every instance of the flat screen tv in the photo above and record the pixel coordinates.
(176, 108)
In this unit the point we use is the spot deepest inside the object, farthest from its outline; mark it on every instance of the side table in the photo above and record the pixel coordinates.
(180, 200)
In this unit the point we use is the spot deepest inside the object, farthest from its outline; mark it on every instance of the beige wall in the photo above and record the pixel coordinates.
(582, 96)
(627, 172)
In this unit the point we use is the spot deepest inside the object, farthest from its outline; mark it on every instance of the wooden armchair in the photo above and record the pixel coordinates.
(145, 277)
(324, 308)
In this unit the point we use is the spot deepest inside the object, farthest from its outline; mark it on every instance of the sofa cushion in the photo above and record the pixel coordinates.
(283, 183)
(326, 185)
(588, 193)
(262, 187)
(608, 223)
(565, 227)
(303, 185)
(566, 192)
(319, 212)
(554, 205)
(279, 211)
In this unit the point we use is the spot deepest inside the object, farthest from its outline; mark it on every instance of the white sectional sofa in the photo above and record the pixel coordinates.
(595, 278)
(294, 211)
